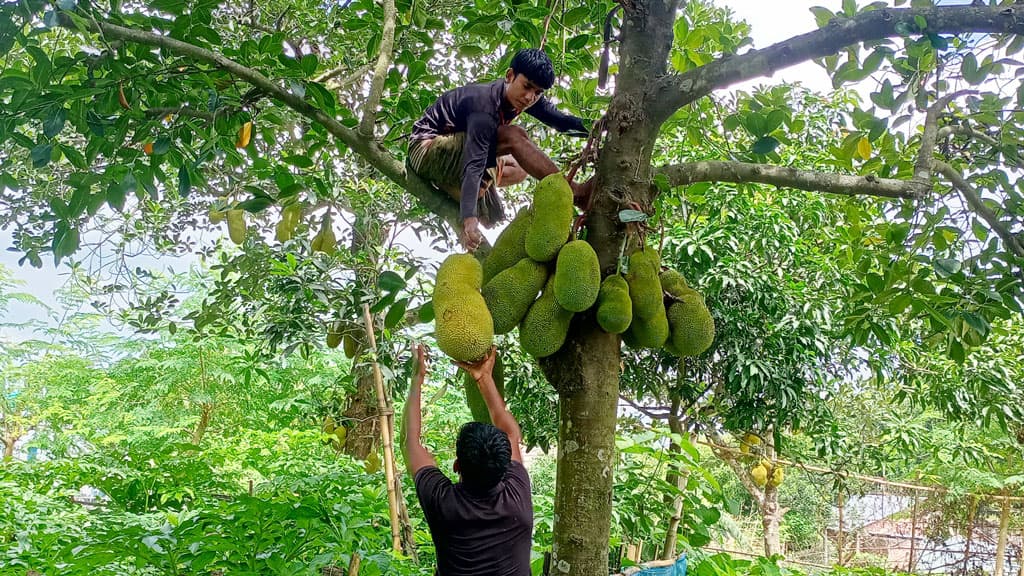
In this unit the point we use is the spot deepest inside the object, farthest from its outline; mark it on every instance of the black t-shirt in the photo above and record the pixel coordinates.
(479, 534)
(478, 110)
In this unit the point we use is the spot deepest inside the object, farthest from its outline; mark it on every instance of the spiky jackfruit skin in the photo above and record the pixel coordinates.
(648, 332)
(463, 326)
(543, 330)
(693, 328)
(475, 400)
(510, 247)
(577, 276)
(614, 308)
(552, 218)
(644, 285)
(674, 284)
(509, 294)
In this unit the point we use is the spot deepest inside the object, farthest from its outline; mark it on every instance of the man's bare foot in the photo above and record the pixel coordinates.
(581, 192)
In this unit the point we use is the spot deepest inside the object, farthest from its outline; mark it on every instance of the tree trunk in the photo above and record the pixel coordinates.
(586, 374)
(1004, 528)
(971, 517)
(771, 518)
(204, 421)
(675, 478)
(361, 418)
(9, 448)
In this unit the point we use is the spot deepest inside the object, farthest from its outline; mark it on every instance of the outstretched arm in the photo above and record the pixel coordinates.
(416, 456)
(545, 111)
(502, 418)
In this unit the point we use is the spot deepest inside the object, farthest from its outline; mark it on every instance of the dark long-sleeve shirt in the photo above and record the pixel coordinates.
(478, 110)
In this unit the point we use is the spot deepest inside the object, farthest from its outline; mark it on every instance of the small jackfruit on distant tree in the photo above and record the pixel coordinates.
(236, 225)
(614, 308)
(552, 218)
(577, 276)
(644, 285)
(290, 217)
(475, 400)
(510, 247)
(510, 293)
(693, 328)
(749, 441)
(543, 330)
(777, 476)
(216, 216)
(325, 241)
(372, 465)
(334, 334)
(462, 325)
(759, 474)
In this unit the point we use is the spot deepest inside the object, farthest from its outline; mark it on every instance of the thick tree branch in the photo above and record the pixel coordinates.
(677, 90)
(1014, 244)
(947, 131)
(380, 73)
(717, 171)
(351, 75)
(648, 411)
(923, 166)
(432, 198)
(180, 111)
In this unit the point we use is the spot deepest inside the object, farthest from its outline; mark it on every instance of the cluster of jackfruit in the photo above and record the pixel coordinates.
(767, 473)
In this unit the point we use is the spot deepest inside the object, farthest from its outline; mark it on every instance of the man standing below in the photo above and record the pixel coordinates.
(483, 524)
(465, 145)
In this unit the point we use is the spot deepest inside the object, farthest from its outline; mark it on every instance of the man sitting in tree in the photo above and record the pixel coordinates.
(482, 524)
(465, 143)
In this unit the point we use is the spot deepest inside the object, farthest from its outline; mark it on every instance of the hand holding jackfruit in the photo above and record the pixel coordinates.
(577, 276)
(463, 327)
(510, 247)
(510, 293)
(236, 225)
(543, 330)
(552, 218)
(614, 308)
(325, 241)
(693, 328)
(475, 400)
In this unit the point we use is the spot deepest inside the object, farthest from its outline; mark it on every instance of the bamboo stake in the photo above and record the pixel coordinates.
(913, 535)
(1004, 528)
(353, 566)
(839, 540)
(383, 412)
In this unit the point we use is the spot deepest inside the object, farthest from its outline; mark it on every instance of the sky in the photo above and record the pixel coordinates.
(771, 21)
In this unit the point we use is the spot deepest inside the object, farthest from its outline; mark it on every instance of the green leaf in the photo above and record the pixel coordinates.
(67, 4)
(922, 24)
(55, 123)
(946, 267)
(309, 64)
(184, 182)
(577, 42)
(765, 145)
(162, 145)
(427, 313)
(822, 16)
(396, 314)
(299, 161)
(970, 71)
(41, 155)
(256, 204)
(938, 42)
(390, 281)
(116, 194)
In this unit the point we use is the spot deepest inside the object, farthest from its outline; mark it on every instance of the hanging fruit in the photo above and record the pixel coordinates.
(121, 98)
(325, 240)
(244, 135)
(236, 225)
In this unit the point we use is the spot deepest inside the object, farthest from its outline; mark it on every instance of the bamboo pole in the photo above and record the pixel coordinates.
(1021, 561)
(383, 412)
(972, 516)
(913, 535)
(839, 538)
(1004, 529)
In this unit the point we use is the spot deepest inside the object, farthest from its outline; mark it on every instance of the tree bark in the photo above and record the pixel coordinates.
(360, 415)
(586, 374)
(9, 447)
(1004, 529)
(679, 480)
(771, 518)
(204, 421)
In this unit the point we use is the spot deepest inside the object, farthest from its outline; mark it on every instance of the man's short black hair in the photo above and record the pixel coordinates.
(484, 454)
(535, 65)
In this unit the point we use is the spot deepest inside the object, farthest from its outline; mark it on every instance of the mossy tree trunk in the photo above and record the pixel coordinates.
(586, 371)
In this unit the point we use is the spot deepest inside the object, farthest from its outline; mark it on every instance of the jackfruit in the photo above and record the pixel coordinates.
(510, 247)
(325, 240)
(644, 285)
(693, 329)
(777, 476)
(552, 218)
(475, 400)
(648, 332)
(759, 474)
(543, 330)
(334, 334)
(216, 216)
(510, 293)
(372, 465)
(674, 284)
(290, 217)
(749, 441)
(614, 308)
(236, 225)
(577, 276)
(463, 327)
(351, 346)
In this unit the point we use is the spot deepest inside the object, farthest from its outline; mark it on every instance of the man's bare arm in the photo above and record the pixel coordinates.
(500, 416)
(416, 456)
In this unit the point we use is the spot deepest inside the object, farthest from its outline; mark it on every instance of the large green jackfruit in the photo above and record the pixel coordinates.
(693, 328)
(463, 326)
(648, 332)
(552, 218)
(543, 330)
(510, 247)
(674, 284)
(644, 285)
(475, 400)
(511, 292)
(614, 308)
(577, 276)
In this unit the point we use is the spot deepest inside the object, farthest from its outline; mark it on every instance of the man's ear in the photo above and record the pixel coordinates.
(509, 75)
